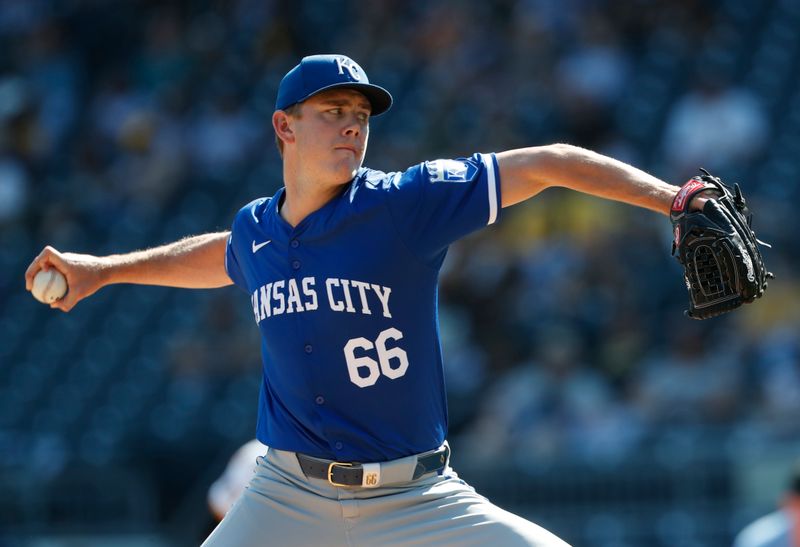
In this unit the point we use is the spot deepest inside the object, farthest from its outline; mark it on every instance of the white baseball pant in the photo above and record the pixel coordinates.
(282, 507)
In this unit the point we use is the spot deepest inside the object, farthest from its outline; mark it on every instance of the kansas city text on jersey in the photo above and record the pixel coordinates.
(341, 295)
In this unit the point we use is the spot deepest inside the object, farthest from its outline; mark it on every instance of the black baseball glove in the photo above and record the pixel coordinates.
(717, 247)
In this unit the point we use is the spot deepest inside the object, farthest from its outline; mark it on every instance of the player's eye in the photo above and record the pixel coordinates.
(363, 117)
(335, 111)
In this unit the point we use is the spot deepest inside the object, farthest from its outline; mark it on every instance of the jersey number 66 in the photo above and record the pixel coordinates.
(370, 368)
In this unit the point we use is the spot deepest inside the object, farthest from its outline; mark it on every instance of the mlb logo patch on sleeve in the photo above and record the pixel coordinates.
(450, 171)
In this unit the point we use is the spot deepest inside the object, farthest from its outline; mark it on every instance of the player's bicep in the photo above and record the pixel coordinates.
(523, 173)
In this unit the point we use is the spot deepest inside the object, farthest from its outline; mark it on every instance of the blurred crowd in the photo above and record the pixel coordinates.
(562, 327)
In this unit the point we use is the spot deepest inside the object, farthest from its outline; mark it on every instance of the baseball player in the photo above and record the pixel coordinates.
(781, 528)
(340, 268)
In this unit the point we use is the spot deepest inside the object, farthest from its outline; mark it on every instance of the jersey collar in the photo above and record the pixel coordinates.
(317, 223)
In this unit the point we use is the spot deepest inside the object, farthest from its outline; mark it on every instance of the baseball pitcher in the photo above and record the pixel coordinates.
(340, 270)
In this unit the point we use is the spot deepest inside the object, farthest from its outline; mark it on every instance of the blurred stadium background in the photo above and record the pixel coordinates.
(580, 396)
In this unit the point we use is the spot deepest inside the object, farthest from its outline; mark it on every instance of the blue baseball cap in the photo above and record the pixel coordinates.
(318, 73)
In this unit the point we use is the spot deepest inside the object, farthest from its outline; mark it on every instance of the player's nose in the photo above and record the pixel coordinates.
(353, 127)
(352, 130)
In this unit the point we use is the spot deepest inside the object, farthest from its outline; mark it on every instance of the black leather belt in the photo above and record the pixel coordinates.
(352, 474)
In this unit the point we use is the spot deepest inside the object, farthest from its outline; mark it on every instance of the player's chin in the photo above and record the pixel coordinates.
(346, 170)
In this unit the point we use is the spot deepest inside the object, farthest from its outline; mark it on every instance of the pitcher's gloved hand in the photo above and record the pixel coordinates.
(717, 248)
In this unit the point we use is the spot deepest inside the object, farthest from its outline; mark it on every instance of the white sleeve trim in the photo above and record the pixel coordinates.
(491, 178)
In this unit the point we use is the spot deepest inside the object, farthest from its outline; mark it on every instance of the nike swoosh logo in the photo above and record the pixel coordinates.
(257, 247)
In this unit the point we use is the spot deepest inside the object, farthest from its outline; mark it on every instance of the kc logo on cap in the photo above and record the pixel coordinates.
(350, 65)
(318, 73)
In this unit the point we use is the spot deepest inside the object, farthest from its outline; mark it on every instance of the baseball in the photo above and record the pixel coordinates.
(49, 286)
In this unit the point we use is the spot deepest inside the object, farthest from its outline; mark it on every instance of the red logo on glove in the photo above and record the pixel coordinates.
(680, 200)
(677, 235)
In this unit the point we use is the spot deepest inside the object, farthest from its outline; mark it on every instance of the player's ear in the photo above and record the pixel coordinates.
(282, 124)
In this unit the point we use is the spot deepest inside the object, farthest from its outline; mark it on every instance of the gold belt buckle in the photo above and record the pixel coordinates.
(330, 472)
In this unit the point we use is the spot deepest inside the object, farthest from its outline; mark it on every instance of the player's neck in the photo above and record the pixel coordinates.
(300, 200)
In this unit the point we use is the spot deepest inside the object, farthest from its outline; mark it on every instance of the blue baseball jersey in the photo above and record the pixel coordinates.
(346, 304)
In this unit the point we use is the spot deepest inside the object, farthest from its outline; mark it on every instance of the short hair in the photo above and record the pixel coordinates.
(294, 111)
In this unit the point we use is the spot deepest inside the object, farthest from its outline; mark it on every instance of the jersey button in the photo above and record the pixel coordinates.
(294, 243)
(308, 348)
(338, 445)
(295, 264)
(319, 399)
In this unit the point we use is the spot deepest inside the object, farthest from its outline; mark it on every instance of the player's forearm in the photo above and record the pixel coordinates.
(196, 262)
(531, 170)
